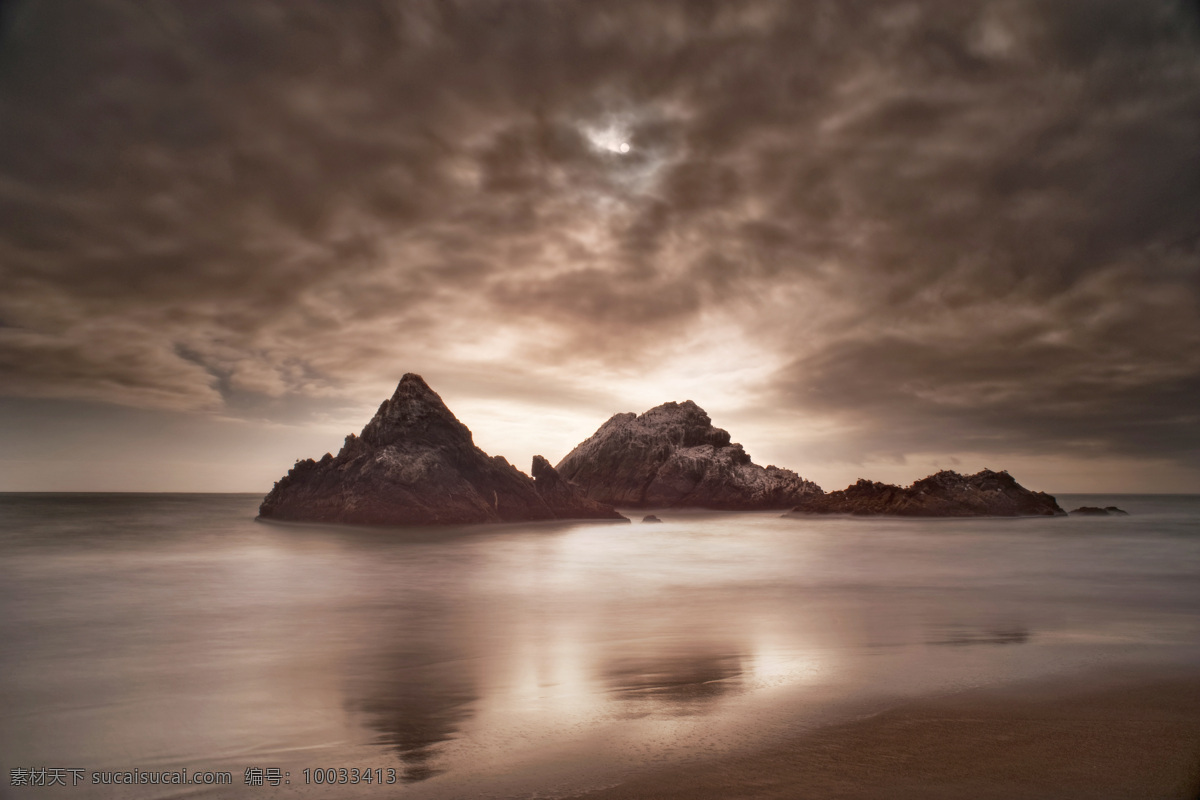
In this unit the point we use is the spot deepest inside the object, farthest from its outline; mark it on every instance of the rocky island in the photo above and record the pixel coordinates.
(673, 457)
(416, 464)
(944, 494)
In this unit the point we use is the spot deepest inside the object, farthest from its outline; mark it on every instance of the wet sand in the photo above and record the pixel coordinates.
(1113, 736)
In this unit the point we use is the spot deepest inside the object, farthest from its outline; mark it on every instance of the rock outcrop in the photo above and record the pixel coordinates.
(565, 500)
(946, 494)
(673, 457)
(1096, 511)
(416, 464)
(650, 518)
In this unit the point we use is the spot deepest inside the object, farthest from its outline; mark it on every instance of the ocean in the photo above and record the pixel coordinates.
(157, 633)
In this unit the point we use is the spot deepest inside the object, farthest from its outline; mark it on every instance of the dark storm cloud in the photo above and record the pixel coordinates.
(962, 226)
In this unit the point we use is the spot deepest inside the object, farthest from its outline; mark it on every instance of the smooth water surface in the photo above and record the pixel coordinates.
(157, 632)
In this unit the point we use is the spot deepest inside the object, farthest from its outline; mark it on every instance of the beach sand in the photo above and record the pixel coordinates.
(1125, 735)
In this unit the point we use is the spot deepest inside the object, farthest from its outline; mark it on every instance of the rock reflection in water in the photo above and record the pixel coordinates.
(676, 685)
(418, 686)
(1013, 634)
(419, 708)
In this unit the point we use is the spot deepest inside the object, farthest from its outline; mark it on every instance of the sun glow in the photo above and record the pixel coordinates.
(612, 139)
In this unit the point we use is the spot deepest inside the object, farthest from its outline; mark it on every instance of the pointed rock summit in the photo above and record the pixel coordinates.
(944, 494)
(673, 457)
(416, 464)
(415, 415)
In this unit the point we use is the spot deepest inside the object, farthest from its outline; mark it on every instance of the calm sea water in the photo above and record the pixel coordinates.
(163, 632)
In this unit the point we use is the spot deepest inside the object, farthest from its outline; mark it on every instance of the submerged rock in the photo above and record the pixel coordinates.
(672, 457)
(650, 518)
(1096, 511)
(945, 494)
(416, 464)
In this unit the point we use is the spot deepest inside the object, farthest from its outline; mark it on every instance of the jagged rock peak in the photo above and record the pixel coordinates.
(415, 464)
(683, 424)
(414, 412)
(542, 471)
(673, 456)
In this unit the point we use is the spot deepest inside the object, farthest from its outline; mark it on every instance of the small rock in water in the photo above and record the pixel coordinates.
(650, 518)
(1096, 511)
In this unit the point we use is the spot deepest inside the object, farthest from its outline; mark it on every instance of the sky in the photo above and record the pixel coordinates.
(870, 239)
